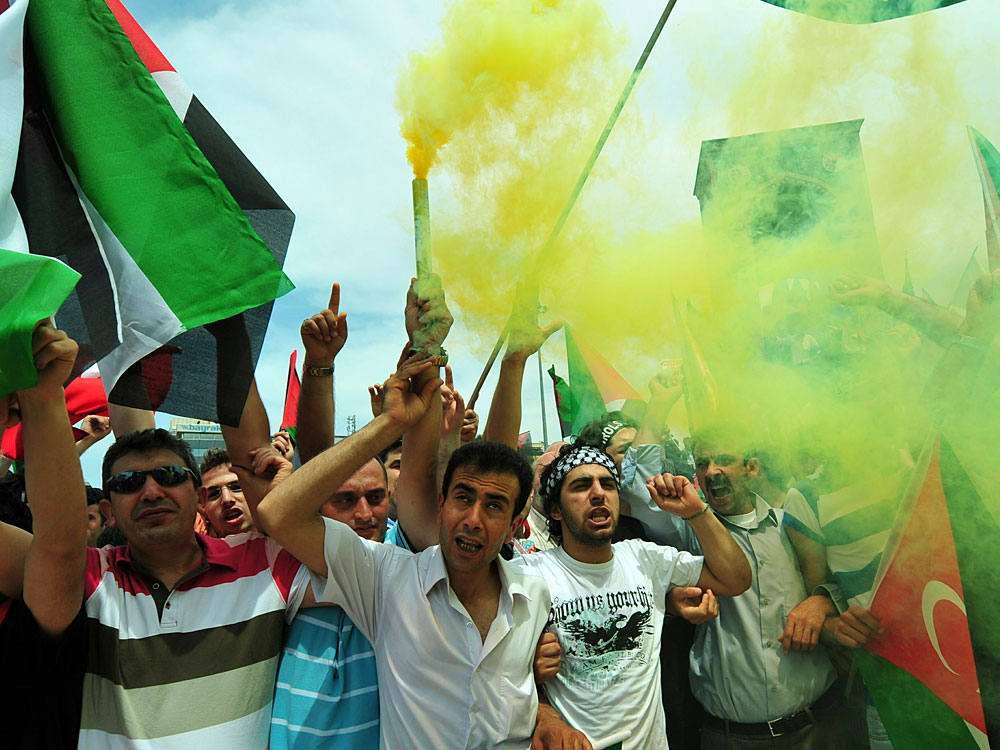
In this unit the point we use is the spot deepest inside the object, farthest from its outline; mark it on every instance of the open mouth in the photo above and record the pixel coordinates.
(599, 516)
(720, 490)
(233, 515)
(467, 546)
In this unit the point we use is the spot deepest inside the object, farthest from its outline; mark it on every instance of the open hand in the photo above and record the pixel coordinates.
(325, 333)
(858, 289)
(402, 405)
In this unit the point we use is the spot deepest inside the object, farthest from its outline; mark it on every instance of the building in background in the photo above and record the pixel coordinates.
(199, 434)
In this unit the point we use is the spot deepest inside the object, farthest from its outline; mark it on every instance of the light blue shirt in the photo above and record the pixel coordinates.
(326, 695)
(739, 670)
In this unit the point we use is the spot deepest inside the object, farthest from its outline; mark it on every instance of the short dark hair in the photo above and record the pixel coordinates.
(591, 433)
(147, 441)
(94, 495)
(490, 457)
(213, 458)
(397, 445)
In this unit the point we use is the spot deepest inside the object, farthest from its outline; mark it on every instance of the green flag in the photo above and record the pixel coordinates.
(31, 288)
(861, 11)
(596, 386)
(180, 249)
(988, 165)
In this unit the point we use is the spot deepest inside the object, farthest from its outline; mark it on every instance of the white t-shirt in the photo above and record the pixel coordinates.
(608, 618)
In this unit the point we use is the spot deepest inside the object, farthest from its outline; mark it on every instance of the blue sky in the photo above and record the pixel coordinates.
(307, 90)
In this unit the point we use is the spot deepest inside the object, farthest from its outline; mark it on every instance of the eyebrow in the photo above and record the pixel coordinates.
(472, 491)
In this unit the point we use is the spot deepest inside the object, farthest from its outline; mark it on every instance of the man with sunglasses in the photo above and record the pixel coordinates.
(179, 619)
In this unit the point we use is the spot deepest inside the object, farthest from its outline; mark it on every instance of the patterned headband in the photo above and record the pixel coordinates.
(585, 454)
(610, 430)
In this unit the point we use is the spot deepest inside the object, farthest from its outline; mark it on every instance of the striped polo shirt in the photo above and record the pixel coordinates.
(853, 524)
(198, 669)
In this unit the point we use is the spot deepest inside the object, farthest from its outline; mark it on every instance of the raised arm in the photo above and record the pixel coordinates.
(663, 397)
(503, 424)
(934, 321)
(56, 558)
(726, 570)
(323, 336)
(428, 320)
(96, 427)
(290, 511)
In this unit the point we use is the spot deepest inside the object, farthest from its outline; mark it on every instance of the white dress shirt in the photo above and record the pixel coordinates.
(440, 684)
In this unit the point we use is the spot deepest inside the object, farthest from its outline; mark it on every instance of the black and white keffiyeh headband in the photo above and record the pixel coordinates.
(585, 454)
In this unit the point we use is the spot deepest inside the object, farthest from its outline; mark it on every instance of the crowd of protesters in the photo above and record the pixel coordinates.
(419, 585)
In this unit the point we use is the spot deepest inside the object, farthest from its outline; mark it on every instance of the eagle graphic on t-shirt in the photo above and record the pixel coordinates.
(584, 638)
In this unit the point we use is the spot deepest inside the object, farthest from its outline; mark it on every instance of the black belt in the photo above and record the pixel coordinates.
(777, 727)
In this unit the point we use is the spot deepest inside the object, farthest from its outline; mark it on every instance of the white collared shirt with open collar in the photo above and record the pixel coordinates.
(440, 684)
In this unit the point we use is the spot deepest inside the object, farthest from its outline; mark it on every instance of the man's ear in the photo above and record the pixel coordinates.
(202, 496)
(516, 524)
(555, 514)
(753, 467)
(106, 510)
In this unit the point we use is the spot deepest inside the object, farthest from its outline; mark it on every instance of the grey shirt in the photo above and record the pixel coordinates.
(739, 670)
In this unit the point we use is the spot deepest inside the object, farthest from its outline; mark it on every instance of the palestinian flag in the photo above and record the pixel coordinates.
(565, 406)
(289, 419)
(84, 396)
(124, 175)
(861, 11)
(935, 674)
(988, 165)
(593, 387)
(31, 289)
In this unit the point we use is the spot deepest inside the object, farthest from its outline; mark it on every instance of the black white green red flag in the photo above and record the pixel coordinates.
(126, 177)
(861, 11)
(290, 415)
(592, 388)
(934, 673)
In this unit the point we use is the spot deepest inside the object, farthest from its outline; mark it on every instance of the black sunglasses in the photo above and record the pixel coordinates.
(214, 493)
(132, 481)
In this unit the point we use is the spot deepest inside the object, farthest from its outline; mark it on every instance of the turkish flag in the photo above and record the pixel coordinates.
(921, 605)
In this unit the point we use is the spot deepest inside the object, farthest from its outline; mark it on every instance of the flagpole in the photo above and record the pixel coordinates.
(541, 398)
(588, 167)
